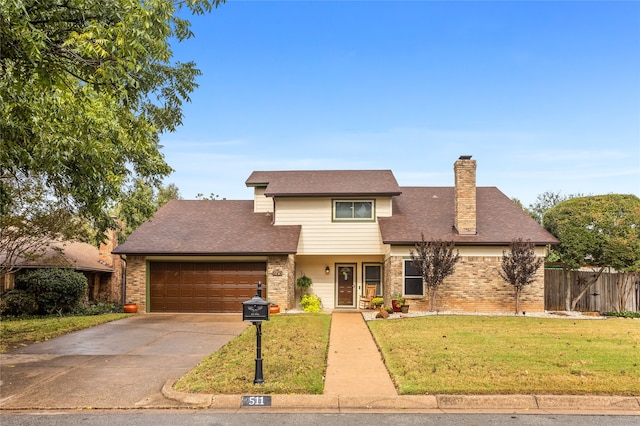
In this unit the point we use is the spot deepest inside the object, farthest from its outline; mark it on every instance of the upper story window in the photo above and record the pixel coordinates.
(353, 210)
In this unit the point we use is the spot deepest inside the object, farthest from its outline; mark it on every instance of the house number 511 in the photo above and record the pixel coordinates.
(256, 401)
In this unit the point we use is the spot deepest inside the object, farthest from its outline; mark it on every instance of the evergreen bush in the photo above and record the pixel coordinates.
(17, 302)
(54, 290)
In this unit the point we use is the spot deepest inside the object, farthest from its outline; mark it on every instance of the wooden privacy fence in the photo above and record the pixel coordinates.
(603, 296)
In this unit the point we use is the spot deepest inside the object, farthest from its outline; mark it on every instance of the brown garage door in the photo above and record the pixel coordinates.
(203, 287)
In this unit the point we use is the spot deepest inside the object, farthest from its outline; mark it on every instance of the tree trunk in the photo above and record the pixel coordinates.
(625, 282)
(518, 290)
(567, 283)
(432, 300)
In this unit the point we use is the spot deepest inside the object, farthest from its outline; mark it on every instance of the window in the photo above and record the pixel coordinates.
(373, 277)
(412, 280)
(352, 210)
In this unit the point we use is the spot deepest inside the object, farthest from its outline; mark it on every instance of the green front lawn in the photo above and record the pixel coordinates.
(16, 333)
(294, 352)
(511, 355)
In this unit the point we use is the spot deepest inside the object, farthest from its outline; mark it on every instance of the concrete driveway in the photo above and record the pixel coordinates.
(122, 364)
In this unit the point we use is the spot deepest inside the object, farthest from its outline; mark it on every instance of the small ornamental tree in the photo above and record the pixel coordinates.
(434, 261)
(519, 266)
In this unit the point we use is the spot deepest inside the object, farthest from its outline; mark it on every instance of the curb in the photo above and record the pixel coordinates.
(629, 405)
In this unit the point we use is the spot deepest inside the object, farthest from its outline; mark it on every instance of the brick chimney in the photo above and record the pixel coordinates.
(105, 248)
(465, 195)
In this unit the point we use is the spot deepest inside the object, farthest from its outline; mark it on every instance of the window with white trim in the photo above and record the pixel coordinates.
(373, 277)
(412, 280)
(353, 210)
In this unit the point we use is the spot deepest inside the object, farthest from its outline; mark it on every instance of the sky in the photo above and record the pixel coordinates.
(544, 95)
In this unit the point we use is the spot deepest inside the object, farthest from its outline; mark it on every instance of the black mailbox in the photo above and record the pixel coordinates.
(255, 309)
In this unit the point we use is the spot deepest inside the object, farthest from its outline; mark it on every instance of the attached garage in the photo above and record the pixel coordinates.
(216, 287)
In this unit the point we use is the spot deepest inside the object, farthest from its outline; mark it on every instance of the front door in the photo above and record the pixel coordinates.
(345, 280)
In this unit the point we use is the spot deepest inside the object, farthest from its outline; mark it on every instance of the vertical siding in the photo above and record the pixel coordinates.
(320, 235)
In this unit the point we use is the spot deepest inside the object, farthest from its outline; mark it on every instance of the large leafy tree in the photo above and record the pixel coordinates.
(519, 266)
(434, 260)
(86, 88)
(31, 222)
(141, 202)
(545, 201)
(600, 231)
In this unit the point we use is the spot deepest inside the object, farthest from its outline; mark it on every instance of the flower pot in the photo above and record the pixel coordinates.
(274, 309)
(130, 308)
(396, 306)
(404, 309)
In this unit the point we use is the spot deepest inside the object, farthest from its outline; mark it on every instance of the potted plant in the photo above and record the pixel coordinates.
(404, 308)
(397, 301)
(377, 302)
(274, 308)
(304, 282)
(130, 307)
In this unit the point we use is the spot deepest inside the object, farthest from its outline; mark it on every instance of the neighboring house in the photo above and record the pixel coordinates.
(104, 270)
(345, 229)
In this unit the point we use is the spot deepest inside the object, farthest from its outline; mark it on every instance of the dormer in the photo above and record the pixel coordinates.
(261, 203)
(340, 184)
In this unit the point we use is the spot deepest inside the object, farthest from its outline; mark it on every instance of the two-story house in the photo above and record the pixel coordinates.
(345, 229)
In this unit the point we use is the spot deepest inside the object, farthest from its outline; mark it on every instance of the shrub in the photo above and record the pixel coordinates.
(54, 290)
(624, 314)
(311, 303)
(17, 302)
(377, 301)
(97, 308)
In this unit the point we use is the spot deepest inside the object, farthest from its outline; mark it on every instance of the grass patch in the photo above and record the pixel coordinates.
(16, 333)
(503, 355)
(294, 352)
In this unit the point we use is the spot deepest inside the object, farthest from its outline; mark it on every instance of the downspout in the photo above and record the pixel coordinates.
(123, 294)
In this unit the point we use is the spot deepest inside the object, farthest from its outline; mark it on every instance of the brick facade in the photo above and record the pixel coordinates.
(475, 286)
(109, 286)
(136, 289)
(281, 280)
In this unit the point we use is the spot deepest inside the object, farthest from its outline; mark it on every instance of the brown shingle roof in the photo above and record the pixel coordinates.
(202, 227)
(316, 183)
(430, 210)
(70, 254)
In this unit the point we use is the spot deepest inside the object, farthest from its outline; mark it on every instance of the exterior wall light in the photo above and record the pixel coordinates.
(327, 270)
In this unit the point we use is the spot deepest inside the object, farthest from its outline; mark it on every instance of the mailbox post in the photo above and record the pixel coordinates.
(256, 310)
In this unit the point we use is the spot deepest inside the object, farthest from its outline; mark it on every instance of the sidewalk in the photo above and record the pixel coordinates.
(354, 364)
(357, 380)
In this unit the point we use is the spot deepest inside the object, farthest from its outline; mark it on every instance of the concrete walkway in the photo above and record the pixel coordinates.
(354, 365)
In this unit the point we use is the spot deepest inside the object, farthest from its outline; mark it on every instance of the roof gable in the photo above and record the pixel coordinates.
(316, 183)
